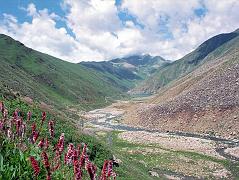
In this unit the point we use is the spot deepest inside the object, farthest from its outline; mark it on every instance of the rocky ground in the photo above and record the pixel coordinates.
(206, 101)
(177, 143)
(167, 155)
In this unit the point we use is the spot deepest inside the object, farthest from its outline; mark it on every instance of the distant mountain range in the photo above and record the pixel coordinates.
(137, 67)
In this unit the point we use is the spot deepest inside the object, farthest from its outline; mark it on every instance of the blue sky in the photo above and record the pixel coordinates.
(98, 30)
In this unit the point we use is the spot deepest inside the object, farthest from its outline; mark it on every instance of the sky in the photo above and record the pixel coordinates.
(96, 30)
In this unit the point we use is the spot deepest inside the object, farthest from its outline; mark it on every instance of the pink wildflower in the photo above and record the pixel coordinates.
(5, 113)
(46, 143)
(77, 170)
(46, 163)
(1, 106)
(56, 161)
(83, 154)
(43, 118)
(41, 143)
(60, 144)
(104, 171)
(51, 128)
(29, 116)
(33, 127)
(18, 126)
(89, 168)
(1, 124)
(35, 165)
(35, 136)
(69, 154)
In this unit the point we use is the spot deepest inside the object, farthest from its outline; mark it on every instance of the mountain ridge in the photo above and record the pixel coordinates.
(183, 66)
(205, 100)
(51, 80)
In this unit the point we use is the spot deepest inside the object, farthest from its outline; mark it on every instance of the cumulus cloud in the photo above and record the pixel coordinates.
(41, 34)
(167, 28)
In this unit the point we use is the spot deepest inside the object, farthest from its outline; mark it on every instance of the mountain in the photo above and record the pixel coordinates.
(131, 69)
(51, 80)
(185, 65)
(204, 98)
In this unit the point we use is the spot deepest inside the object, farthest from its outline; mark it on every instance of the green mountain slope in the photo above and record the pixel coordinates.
(185, 65)
(51, 80)
(132, 69)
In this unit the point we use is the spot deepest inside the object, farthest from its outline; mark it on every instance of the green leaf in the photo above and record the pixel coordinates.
(21, 155)
(1, 162)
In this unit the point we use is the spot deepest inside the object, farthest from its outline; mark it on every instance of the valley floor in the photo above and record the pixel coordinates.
(149, 154)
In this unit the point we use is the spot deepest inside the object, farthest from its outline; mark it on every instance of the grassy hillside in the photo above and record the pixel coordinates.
(185, 65)
(119, 76)
(51, 80)
(18, 146)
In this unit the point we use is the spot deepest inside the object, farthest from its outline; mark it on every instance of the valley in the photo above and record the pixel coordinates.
(119, 90)
(156, 119)
(164, 154)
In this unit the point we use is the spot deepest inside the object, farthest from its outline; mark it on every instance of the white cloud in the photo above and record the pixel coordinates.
(171, 28)
(41, 34)
(188, 30)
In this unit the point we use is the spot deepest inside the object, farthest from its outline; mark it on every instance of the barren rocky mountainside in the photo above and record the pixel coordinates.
(204, 101)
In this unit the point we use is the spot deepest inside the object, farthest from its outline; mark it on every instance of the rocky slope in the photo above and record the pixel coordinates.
(204, 101)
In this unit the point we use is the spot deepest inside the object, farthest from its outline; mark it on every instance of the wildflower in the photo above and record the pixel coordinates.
(41, 143)
(78, 150)
(33, 127)
(43, 118)
(29, 116)
(18, 126)
(46, 143)
(35, 136)
(89, 168)
(35, 165)
(60, 144)
(48, 177)
(5, 113)
(77, 170)
(83, 154)
(46, 163)
(51, 128)
(15, 114)
(69, 155)
(23, 129)
(1, 124)
(1, 106)
(110, 168)
(75, 155)
(104, 171)
(56, 161)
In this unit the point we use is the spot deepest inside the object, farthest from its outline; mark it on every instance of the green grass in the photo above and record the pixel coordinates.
(53, 81)
(14, 162)
(165, 161)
